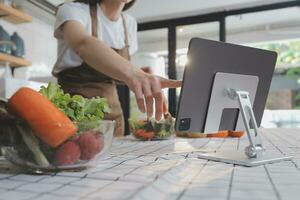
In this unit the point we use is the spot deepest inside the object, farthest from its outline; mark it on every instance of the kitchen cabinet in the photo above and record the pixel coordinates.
(14, 61)
(13, 15)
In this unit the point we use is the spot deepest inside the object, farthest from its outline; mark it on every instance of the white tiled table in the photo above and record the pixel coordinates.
(167, 170)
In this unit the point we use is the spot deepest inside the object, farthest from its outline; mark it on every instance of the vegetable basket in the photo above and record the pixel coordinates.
(50, 130)
(92, 140)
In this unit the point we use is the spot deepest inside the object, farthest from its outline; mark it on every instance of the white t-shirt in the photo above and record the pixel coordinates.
(110, 32)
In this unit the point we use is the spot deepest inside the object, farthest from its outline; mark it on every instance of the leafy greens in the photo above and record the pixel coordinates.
(77, 107)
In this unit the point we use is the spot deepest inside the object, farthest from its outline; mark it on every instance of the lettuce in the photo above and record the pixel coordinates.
(76, 107)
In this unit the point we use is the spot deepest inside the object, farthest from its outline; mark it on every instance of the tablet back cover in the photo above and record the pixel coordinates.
(205, 59)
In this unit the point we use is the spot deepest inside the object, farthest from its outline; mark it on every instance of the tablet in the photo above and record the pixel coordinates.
(207, 58)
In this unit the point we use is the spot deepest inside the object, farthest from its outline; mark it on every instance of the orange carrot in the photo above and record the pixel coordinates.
(191, 135)
(140, 133)
(47, 122)
(220, 134)
(236, 133)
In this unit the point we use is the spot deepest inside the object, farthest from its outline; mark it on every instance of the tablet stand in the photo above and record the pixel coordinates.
(255, 153)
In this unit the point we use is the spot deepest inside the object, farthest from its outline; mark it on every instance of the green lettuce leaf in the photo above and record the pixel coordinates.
(76, 107)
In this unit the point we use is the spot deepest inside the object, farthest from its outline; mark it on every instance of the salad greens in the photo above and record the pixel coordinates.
(162, 129)
(163, 134)
(77, 108)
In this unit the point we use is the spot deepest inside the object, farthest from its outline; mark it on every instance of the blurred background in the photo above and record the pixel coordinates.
(164, 31)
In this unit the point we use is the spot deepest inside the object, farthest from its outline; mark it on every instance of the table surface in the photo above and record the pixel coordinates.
(168, 169)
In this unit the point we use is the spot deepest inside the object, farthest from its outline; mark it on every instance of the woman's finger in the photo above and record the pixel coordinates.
(158, 96)
(148, 97)
(168, 83)
(158, 105)
(165, 104)
(139, 97)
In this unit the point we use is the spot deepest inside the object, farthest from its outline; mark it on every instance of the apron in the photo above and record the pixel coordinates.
(88, 82)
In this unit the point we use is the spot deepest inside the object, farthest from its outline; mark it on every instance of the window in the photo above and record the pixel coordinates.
(184, 34)
(276, 30)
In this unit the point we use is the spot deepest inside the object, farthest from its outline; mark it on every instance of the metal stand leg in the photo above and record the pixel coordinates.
(254, 154)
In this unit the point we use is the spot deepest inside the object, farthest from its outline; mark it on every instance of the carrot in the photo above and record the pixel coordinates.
(191, 135)
(236, 133)
(140, 133)
(220, 134)
(47, 122)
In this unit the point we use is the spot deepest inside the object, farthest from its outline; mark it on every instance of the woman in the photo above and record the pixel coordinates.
(95, 40)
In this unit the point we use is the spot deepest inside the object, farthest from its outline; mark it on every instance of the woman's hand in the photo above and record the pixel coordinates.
(103, 59)
(148, 89)
(148, 70)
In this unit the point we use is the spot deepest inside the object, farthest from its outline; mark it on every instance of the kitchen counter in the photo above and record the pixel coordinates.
(168, 169)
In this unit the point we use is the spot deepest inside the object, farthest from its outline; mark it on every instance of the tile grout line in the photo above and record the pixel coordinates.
(296, 165)
(150, 183)
(191, 181)
(119, 165)
(160, 175)
(58, 188)
(133, 150)
(285, 141)
(275, 133)
(137, 149)
(115, 180)
(24, 183)
(230, 184)
(272, 183)
(232, 173)
(276, 147)
(69, 183)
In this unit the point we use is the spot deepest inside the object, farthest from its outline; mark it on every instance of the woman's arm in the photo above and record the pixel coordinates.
(102, 58)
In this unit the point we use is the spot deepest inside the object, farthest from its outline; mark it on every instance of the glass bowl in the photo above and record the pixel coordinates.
(152, 129)
(91, 142)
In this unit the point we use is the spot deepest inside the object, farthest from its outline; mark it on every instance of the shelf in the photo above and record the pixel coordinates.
(13, 15)
(14, 61)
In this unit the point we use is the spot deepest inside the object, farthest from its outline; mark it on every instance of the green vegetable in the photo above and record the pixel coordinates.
(163, 134)
(77, 108)
(88, 125)
(157, 127)
(137, 124)
(32, 143)
(162, 129)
